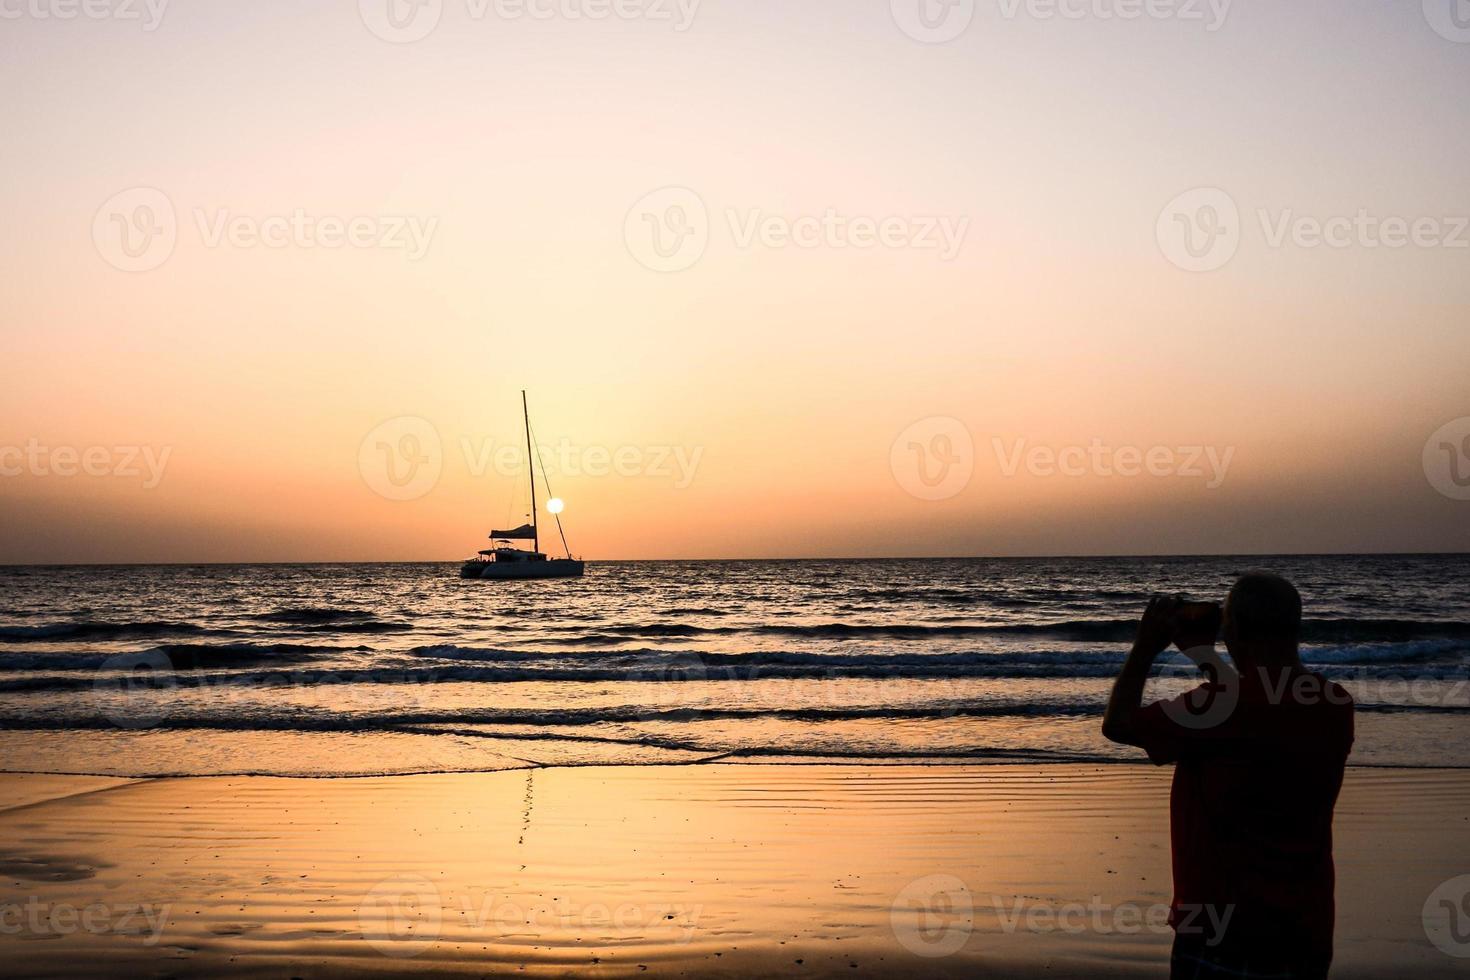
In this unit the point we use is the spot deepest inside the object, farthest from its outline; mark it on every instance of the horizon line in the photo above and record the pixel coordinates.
(830, 558)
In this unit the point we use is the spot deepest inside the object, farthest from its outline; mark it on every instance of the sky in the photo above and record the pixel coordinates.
(857, 278)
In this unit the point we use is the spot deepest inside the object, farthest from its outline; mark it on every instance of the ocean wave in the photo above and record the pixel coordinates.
(246, 664)
(1408, 652)
(162, 629)
(1025, 661)
(1077, 630)
(366, 626)
(652, 663)
(1357, 631)
(448, 651)
(329, 620)
(175, 656)
(106, 631)
(312, 614)
(542, 723)
(948, 595)
(570, 717)
(1340, 633)
(1097, 630)
(199, 656)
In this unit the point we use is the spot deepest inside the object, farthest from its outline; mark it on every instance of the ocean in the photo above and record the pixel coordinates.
(364, 669)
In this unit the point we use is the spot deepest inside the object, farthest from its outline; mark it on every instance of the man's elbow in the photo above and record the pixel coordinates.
(1118, 730)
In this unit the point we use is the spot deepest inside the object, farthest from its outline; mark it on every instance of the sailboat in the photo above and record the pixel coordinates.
(503, 560)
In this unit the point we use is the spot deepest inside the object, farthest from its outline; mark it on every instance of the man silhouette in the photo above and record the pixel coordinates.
(1259, 753)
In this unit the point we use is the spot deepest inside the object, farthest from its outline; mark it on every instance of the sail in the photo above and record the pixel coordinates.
(525, 532)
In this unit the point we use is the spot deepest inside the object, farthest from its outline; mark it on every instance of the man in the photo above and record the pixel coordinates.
(1259, 753)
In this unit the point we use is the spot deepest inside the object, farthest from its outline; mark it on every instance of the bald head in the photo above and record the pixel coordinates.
(1264, 615)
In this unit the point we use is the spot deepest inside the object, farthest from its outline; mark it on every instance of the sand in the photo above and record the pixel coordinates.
(664, 871)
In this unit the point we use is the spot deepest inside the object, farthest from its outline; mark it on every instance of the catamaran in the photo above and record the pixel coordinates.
(502, 560)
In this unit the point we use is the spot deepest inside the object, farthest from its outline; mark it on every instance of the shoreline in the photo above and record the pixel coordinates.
(811, 763)
(717, 869)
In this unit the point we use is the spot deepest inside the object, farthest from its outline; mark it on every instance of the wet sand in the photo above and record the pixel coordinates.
(664, 871)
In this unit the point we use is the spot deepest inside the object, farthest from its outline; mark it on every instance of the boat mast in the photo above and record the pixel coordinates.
(531, 468)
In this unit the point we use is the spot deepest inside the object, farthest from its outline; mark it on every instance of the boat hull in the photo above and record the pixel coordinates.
(554, 568)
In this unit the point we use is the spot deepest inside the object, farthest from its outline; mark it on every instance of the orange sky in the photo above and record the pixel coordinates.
(781, 372)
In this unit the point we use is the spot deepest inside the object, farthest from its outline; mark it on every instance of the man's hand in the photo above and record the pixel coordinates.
(1197, 628)
(1156, 628)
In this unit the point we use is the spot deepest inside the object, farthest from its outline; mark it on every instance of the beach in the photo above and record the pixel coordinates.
(696, 870)
(674, 769)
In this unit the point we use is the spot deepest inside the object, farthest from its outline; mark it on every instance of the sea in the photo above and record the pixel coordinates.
(343, 670)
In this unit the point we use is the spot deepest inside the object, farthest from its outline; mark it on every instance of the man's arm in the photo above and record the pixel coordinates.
(1154, 632)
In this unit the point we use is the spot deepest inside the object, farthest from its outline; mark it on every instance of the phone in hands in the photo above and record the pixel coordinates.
(1196, 625)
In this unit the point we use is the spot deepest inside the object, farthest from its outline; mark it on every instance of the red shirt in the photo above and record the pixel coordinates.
(1259, 765)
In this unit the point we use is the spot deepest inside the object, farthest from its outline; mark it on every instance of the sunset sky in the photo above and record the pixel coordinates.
(266, 376)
